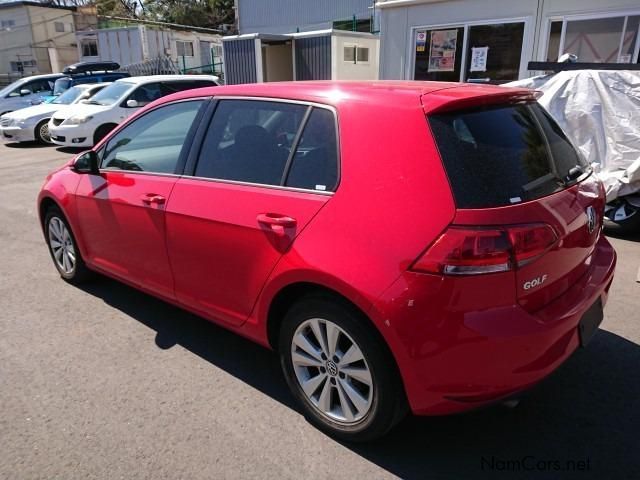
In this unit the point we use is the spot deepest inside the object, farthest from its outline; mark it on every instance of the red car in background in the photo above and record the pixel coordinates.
(431, 247)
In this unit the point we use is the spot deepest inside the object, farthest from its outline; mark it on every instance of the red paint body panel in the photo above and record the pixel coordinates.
(459, 342)
(221, 255)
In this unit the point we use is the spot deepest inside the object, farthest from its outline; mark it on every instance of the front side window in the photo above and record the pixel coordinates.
(153, 142)
(250, 141)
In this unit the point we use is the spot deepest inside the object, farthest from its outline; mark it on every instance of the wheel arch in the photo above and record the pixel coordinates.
(110, 125)
(289, 294)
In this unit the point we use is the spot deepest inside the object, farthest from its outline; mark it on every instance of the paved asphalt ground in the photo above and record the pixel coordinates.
(105, 382)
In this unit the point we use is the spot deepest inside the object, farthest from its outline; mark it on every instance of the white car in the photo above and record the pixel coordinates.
(27, 91)
(87, 123)
(32, 123)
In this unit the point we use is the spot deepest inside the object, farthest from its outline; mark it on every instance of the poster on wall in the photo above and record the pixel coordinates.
(442, 53)
(421, 41)
(479, 59)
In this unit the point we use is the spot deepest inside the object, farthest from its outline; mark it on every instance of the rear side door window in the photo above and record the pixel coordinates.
(315, 163)
(250, 141)
(153, 142)
(271, 143)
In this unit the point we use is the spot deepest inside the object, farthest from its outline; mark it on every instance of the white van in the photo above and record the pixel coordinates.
(87, 123)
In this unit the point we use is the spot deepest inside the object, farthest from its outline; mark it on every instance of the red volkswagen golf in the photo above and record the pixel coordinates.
(430, 247)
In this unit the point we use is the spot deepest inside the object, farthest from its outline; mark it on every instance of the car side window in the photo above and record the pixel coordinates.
(173, 87)
(249, 141)
(145, 94)
(153, 142)
(315, 163)
(35, 86)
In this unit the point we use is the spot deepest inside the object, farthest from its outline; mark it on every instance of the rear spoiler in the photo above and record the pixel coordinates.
(472, 96)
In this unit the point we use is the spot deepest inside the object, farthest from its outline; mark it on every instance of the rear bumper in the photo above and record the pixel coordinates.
(453, 357)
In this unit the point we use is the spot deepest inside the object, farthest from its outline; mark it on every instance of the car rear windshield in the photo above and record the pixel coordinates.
(503, 155)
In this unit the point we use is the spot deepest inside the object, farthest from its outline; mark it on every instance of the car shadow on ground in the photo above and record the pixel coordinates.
(72, 150)
(22, 145)
(581, 422)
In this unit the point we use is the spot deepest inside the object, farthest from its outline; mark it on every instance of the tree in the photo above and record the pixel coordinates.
(198, 13)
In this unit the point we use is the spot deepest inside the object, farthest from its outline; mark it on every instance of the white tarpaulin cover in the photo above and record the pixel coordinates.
(600, 111)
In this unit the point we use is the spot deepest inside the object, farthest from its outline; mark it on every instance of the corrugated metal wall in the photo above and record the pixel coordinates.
(313, 58)
(240, 61)
(285, 16)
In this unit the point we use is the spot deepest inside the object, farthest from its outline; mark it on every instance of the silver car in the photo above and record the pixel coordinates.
(32, 123)
(26, 92)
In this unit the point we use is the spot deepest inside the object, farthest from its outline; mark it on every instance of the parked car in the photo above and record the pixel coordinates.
(455, 264)
(87, 124)
(86, 72)
(26, 92)
(32, 123)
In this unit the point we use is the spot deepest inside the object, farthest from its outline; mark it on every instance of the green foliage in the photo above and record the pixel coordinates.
(198, 13)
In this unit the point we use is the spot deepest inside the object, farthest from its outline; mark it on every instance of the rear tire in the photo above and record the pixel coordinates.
(63, 247)
(101, 132)
(628, 224)
(345, 382)
(41, 132)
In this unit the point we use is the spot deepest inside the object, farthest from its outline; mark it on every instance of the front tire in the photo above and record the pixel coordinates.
(339, 370)
(101, 132)
(42, 132)
(63, 247)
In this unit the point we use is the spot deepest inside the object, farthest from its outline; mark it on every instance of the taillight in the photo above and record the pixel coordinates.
(472, 251)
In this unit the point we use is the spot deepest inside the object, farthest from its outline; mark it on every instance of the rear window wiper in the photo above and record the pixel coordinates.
(574, 173)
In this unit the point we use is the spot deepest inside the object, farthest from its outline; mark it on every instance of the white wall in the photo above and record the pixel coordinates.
(347, 70)
(15, 42)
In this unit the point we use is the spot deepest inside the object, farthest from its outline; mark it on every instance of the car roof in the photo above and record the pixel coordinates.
(164, 78)
(40, 77)
(335, 92)
(87, 86)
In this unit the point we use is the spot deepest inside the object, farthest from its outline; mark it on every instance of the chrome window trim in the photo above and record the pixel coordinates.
(331, 108)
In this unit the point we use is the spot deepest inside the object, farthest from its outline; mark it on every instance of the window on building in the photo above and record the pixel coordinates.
(59, 26)
(89, 47)
(595, 40)
(493, 53)
(7, 23)
(185, 49)
(355, 54)
(23, 65)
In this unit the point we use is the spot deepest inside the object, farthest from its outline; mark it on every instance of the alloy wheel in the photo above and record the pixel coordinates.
(44, 133)
(332, 371)
(61, 245)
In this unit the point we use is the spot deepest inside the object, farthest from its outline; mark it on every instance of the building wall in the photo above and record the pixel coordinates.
(15, 41)
(398, 24)
(45, 36)
(348, 70)
(285, 16)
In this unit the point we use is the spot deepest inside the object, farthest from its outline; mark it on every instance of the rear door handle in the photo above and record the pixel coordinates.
(276, 222)
(150, 198)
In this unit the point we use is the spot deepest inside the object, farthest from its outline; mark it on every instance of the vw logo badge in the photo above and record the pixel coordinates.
(591, 219)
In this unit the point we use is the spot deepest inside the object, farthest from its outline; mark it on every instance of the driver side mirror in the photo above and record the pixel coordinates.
(24, 92)
(87, 162)
(132, 103)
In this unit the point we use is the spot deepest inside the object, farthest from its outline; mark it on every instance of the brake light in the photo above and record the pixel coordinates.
(477, 250)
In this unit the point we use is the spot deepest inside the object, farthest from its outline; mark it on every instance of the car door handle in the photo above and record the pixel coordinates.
(150, 198)
(276, 222)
